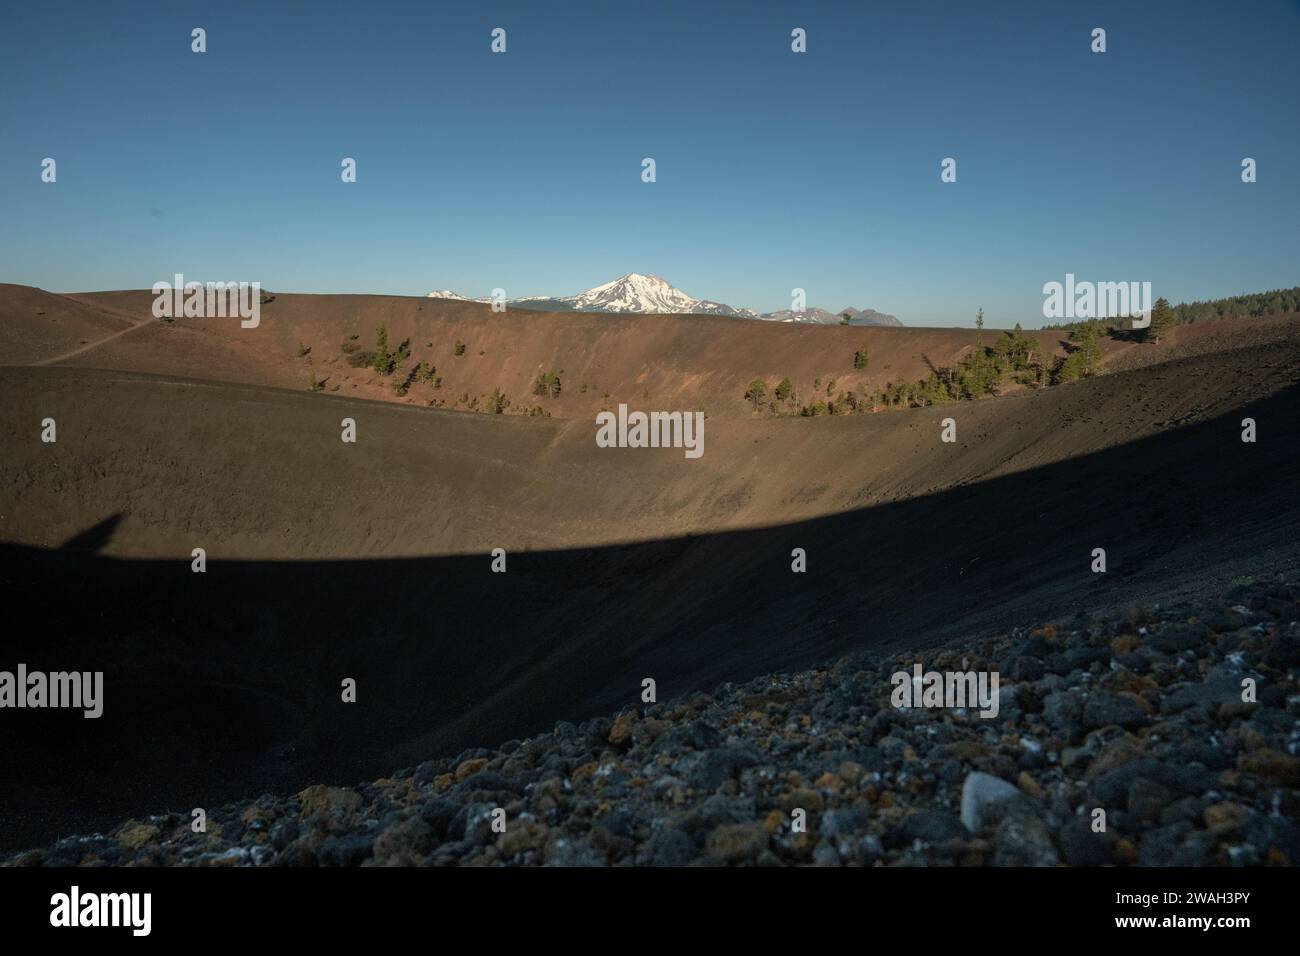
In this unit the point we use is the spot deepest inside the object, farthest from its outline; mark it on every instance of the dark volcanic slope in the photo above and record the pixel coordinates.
(1139, 714)
(260, 473)
(225, 684)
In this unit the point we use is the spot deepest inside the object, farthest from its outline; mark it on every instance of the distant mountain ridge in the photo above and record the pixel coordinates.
(637, 293)
(822, 317)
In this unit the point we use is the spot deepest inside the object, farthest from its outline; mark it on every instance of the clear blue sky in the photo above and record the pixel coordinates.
(775, 170)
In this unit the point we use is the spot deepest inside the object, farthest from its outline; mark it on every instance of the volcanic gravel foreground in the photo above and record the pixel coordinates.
(1140, 714)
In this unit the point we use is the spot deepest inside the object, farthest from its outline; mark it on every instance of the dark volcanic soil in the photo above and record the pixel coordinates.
(371, 561)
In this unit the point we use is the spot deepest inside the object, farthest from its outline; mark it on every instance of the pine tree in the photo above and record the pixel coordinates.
(383, 361)
(1162, 320)
(547, 383)
(1090, 350)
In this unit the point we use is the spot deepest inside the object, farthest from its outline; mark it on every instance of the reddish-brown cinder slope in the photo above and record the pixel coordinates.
(664, 362)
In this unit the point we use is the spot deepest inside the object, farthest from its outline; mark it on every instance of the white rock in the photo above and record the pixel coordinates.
(980, 795)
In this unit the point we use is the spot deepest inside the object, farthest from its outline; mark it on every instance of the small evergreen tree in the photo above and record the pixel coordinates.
(860, 358)
(1162, 320)
(548, 384)
(1085, 360)
(383, 363)
(1090, 349)
(756, 392)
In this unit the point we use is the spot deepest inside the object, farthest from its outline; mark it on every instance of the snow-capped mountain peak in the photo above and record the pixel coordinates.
(637, 292)
(634, 292)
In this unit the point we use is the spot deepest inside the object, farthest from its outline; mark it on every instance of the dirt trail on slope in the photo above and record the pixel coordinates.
(39, 327)
(91, 346)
